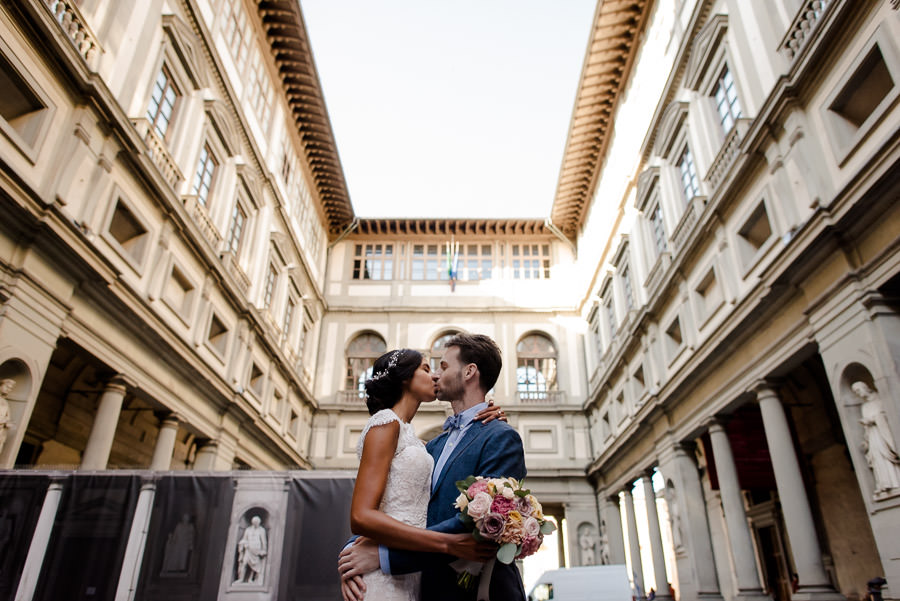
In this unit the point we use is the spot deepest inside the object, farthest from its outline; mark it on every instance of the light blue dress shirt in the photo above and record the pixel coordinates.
(453, 438)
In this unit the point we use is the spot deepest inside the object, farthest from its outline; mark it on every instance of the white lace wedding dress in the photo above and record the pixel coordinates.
(405, 499)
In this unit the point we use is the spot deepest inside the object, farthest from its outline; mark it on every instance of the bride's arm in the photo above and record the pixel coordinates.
(366, 519)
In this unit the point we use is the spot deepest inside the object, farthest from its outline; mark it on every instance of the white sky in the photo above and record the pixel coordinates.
(450, 108)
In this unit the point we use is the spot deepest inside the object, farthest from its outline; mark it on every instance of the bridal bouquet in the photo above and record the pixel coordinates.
(500, 510)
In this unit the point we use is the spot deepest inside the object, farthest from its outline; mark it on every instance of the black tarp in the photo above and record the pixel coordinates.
(21, 498)
(84, 557)
(186, 539)
(318, 525)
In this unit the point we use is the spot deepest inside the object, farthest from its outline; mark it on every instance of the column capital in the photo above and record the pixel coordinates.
(169, 418)
(118, 382)
(716, 422)
(765, 388)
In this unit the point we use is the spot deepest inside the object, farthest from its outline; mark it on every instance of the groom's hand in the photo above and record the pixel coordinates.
(359, 558)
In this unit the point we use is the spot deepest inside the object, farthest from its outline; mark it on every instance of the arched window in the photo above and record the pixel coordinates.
(361, 355)
(437, 348)
(536, 369)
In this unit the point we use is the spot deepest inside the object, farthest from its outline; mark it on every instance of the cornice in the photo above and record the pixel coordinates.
(607, 65)
(291, 51)
(444, 228)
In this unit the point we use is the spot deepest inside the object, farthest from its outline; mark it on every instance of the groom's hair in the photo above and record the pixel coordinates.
(483, 352)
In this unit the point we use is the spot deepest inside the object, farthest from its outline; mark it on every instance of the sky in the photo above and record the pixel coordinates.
(450, 108)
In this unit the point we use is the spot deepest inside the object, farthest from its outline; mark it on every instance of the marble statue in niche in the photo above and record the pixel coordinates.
(252, 550)
(878, 442)
(6, 387)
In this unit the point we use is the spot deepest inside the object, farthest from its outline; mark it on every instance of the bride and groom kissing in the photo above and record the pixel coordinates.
(404, 486)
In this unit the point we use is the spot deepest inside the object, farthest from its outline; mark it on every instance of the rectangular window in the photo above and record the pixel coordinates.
(690, 186)
(373, 262)
(659, 230)
(288, 316)
(425, 263)
(271, 277)
(626, 286)
(474, 262)
(236, 229)
(162, 102)
(206, 167)
(610, 314)
(531, 261)
(237, 33)
(727, 104)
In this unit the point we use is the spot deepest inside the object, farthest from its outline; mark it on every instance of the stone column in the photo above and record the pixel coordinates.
(137, 539)
(798, 519)
(739, 539)
(611, 527)
(634, 546)
(38, 548)
(103, 432)
(691, 527)
(656, 547)
(165, 443)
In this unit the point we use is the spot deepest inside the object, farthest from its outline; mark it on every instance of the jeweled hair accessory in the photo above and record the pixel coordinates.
(392, 363)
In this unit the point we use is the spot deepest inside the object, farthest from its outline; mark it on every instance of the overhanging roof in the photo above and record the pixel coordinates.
(286, 34)
(607, 64)
(446, 227)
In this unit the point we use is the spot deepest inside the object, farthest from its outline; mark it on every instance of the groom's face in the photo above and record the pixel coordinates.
(448, 377)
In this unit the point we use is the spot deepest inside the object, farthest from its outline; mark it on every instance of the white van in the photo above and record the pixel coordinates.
(589, 583)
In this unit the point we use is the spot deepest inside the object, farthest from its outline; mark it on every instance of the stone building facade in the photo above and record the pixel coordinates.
(711, 304)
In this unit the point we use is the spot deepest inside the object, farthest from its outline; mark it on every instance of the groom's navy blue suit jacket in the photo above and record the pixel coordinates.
(492, 450)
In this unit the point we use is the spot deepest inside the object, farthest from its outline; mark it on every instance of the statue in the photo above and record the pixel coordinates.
(587, 543)
(604, 545)
(674, 517)
(252, 550)
(179, 547)
(878, 443)
(6, 387)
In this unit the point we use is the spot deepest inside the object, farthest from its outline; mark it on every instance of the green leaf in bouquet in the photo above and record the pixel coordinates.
(547, 527)
(522, 493)
(506, 553)
(463, 485)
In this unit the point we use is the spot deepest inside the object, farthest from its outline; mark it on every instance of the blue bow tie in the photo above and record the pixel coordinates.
(454, 421)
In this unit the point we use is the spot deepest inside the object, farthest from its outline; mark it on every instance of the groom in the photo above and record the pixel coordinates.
(468, 370)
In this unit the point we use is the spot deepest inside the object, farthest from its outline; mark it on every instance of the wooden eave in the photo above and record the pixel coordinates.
(286, 35)
(445, 228)
(607, 65)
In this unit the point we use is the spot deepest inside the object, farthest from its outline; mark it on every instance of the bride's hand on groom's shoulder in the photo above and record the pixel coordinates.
(491, 412)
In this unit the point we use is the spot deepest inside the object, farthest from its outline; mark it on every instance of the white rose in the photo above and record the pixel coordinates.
(461, 501)
(532, 527)
(479, 505)
(508, 493)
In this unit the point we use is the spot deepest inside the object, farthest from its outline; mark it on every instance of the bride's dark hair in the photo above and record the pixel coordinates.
(389, 372)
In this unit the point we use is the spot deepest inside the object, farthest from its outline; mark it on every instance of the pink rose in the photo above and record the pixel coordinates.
(523, 505)
(530, 546)
(532, 527)
(477, 487)
(479, 505)
(502, 505)
(491, 525)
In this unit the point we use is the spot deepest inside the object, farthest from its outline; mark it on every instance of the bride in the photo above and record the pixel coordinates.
(393, 485)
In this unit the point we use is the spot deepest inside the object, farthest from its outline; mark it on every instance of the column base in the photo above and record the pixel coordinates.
(817, 593)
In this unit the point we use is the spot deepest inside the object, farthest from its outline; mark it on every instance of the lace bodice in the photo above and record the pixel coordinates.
(409, 480)
(405, 498)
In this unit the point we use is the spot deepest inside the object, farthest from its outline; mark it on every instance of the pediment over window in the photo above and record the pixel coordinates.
(621, 250)
(647, 182)
(222, 123)
(705, 45)
(251, 184)
(187, 47)
(670, 126)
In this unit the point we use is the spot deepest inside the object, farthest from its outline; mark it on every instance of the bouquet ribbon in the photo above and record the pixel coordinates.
(468, 571)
